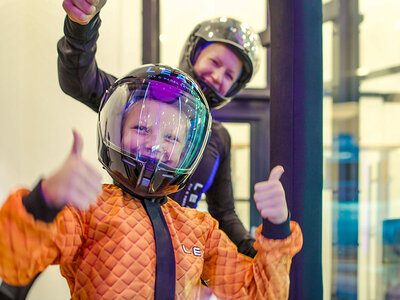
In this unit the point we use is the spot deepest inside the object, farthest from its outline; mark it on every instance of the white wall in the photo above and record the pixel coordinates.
(36, 117)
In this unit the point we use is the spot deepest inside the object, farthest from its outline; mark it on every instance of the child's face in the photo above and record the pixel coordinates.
(219, 67)
(155, 129)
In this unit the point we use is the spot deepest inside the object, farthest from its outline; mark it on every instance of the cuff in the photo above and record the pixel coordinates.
(35, 204)
(276, 231)
(82, 32)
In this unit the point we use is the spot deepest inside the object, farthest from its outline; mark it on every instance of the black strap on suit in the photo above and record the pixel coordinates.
(165, 256)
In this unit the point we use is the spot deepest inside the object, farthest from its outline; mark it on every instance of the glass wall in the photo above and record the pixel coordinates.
(361, 197)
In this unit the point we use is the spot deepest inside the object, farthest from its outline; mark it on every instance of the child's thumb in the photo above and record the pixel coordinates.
(77, 144)
(276, 173)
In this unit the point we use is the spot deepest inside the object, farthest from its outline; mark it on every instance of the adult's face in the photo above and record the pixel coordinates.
(218, 66)
(156, 130)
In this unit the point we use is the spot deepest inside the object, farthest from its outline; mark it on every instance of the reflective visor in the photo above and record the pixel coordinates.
(150, 120)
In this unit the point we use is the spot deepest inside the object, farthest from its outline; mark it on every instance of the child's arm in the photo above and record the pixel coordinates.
(35, 228)
(234, 276)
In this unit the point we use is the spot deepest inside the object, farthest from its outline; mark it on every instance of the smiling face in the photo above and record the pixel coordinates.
(218, 66)
(156, 130)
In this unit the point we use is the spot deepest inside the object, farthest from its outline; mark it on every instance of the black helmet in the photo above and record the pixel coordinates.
(239, 37)
(152, 129)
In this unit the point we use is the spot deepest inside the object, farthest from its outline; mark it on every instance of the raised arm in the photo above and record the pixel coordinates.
(278, 239)
(78, 73)
(36, 230)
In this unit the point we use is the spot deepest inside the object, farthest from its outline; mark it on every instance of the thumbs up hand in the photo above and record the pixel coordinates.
(75, 182)
(270, 199)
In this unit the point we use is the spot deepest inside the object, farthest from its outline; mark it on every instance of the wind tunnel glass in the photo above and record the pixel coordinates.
(154, 121)
(238, 34)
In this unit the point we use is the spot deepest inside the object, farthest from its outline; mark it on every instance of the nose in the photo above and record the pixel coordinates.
(155, 147)
(155, 152)
(217, 76)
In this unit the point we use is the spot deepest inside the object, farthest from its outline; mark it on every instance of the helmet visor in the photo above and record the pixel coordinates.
(149, 120)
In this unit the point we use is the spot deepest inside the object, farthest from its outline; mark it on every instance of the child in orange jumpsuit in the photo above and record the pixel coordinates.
(128, 240)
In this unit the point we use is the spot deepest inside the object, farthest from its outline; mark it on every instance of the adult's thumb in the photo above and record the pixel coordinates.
(276, 173)
(77, 144)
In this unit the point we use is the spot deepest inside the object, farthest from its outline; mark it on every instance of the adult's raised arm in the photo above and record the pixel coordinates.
(78, 73)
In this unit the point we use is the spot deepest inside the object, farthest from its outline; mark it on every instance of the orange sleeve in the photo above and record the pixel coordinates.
(28, 246)
(232, 275)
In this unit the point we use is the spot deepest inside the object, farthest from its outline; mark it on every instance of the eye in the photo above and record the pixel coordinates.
(214, 62)
(229, 76)
(142, 130)
(171, 138)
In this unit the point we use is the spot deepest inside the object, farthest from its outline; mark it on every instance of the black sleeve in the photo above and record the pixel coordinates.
(276, 231)
(36, 205)
(78, 74)
(221, 202)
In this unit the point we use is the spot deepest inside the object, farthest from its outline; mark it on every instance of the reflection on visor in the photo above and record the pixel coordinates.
(157, 91)
(162, 92)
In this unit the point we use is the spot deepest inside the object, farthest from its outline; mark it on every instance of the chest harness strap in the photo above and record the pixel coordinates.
(165, 256)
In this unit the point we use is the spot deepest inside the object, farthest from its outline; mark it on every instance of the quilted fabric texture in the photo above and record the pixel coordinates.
(109, 252)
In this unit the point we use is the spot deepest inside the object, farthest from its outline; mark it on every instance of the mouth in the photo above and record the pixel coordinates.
(211, 85)
(155, 157)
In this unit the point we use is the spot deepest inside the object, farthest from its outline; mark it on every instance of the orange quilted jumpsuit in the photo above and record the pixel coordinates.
(108, 252)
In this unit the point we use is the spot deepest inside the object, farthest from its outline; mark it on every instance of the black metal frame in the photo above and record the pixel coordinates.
(296, 129)
(151, 31)
(295, 40)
